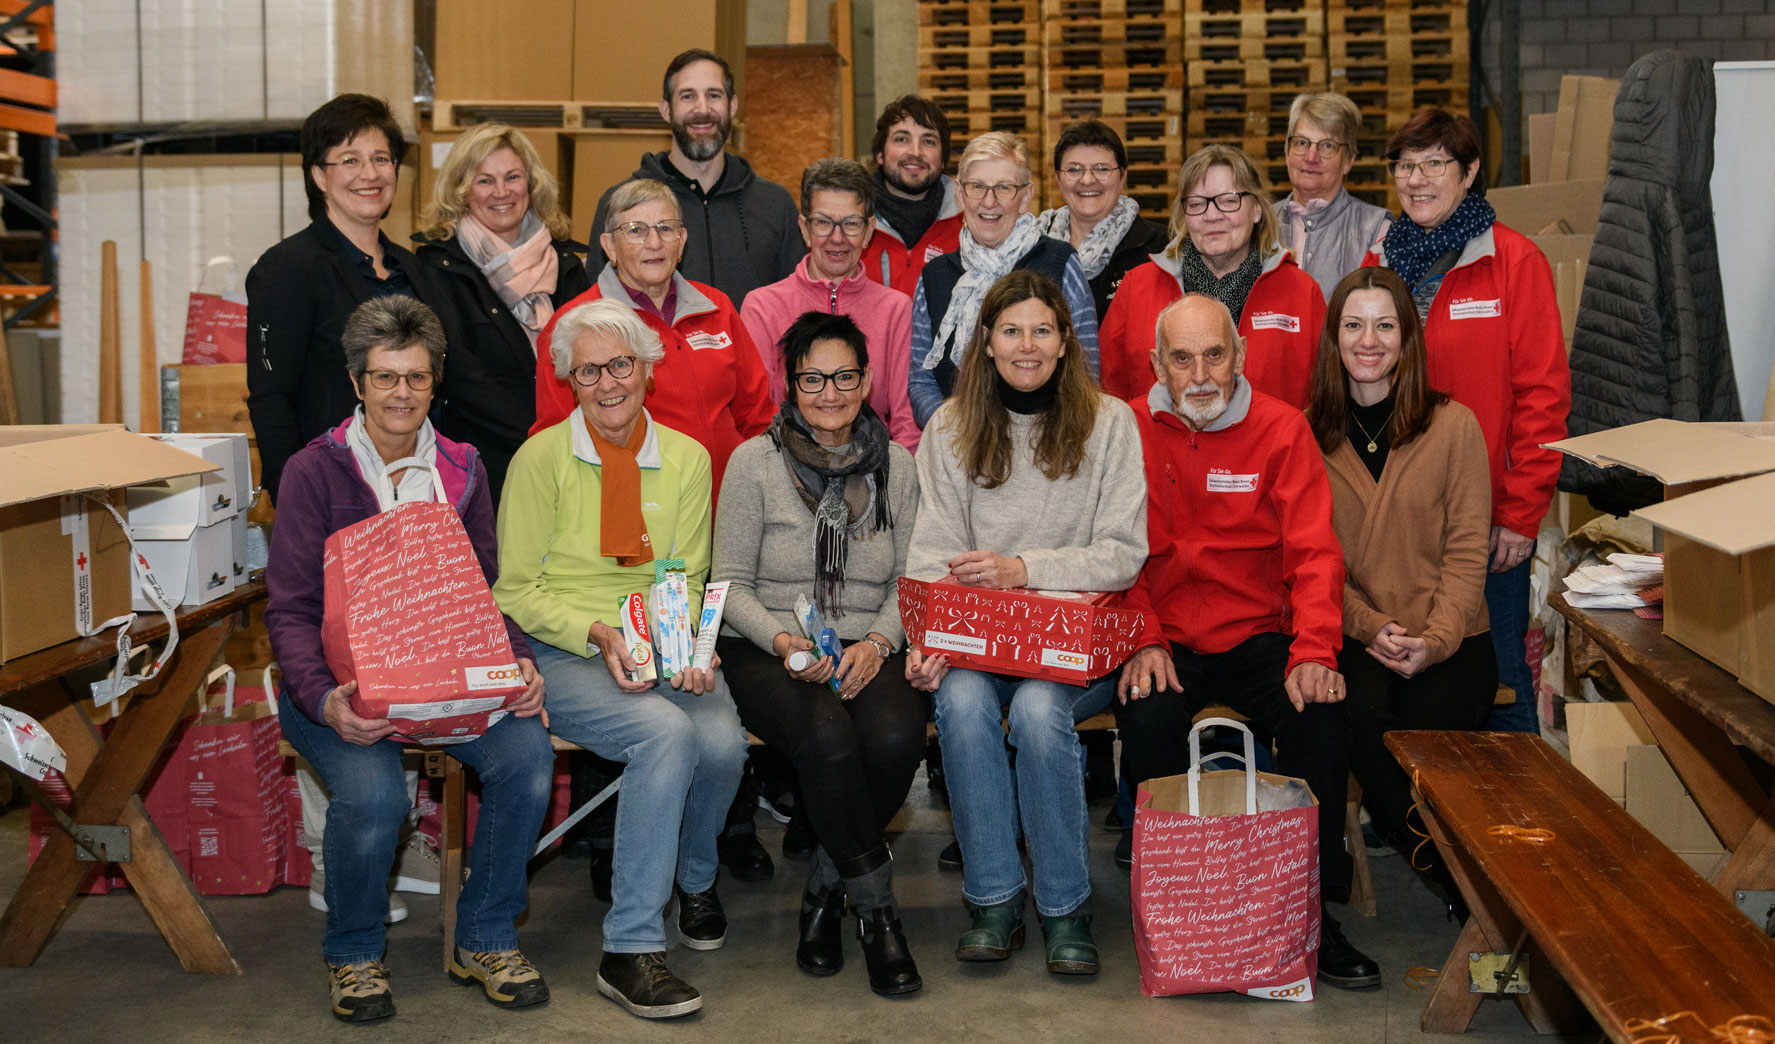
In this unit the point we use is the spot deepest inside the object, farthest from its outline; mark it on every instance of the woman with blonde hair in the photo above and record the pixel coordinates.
(494, 263)
(1224, 245)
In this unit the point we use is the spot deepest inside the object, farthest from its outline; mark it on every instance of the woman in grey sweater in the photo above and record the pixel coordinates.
(822, 505)
(1029, 477)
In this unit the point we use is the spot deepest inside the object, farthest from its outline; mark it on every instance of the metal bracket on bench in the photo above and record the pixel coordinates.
(101, 844)
(1498, 974)
(1759, 907)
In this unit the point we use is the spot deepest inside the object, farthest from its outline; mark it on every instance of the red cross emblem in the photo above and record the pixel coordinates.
(81, 561)
(27, 729)
(143, 559)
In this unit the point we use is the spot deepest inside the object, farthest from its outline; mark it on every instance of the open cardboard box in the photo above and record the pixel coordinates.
(1559, 217)
(1718, 521)
(44, 571)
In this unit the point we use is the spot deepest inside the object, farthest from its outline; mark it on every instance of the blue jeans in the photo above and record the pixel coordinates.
(1049, 789)
(1506, 598)
(370, 802)
(684, 755)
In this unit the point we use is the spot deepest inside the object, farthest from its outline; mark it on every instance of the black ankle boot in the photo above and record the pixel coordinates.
(821, 949)
(891, 970)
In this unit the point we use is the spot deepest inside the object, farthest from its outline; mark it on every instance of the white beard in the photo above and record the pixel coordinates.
(1202, 416)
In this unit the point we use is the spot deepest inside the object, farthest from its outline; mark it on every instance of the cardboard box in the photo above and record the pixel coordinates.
(46, 573)
(1718, 520)
(1600, 734)
(1064, 637)
(1540, 146)
(214, 496)
(1657, 798)
(620, 54)
(192, 530)
(479, 56)
(1582, 126)
(1530, 208)
(602, 159)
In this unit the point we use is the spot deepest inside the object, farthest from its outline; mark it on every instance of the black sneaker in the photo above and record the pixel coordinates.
(744, 857)
(1125, 850)
(701, 921)
(950, 858)
(1341, 964)
(360, 991)
(645, 987)
(602, 862)
(798, 838)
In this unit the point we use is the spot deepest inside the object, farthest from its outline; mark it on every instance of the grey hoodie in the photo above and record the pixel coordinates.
(743, 236)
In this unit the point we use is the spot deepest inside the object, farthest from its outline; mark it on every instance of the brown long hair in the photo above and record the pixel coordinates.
(1413, 398)
(982, 424)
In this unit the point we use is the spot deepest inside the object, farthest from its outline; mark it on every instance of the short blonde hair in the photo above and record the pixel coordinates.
(605, 316)
(631, 194)
(994, 145)
(449, 199)
(1246, 176)
(1331, 112)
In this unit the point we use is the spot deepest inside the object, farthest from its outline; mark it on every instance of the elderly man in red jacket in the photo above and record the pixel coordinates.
(1243, 586)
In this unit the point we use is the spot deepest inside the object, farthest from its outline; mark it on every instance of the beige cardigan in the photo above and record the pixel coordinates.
(1416, 542)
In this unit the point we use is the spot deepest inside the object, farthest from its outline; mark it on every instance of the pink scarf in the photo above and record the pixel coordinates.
(524, 276)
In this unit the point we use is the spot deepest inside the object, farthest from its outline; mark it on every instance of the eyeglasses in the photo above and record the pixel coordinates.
(1328, 147)
(636, 231)
(352, 164)
(812, 382)
(1077, 171)
(1226, 203)
(1432, 168)
(383, 380)
(619, 368)
(852, 227)
(1003, 192)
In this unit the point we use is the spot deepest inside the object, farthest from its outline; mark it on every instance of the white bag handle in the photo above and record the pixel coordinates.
(205, 286)
(385, 482)
(216, 674)
(1195, 764)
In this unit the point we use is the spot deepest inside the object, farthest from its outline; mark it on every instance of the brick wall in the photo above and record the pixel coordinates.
(1603, 37)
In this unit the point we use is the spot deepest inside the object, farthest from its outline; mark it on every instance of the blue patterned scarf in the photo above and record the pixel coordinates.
(1411, 250)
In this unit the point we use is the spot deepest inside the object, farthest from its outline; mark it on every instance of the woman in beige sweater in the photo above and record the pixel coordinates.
(1411, 503)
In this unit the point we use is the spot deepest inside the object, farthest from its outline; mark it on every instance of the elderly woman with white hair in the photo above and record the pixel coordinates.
(1322, 225)
(590, 503)
(998, 236)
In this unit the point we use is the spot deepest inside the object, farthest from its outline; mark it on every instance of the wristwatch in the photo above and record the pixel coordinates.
(883, 648)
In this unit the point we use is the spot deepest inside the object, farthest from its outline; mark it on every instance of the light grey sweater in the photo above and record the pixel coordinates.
(764, 545)
(1083, 533)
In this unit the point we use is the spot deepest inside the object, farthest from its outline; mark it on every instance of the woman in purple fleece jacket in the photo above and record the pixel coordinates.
(383, 456)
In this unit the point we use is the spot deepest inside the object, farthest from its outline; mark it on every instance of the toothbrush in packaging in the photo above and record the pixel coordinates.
(671, 616)
(825, 639)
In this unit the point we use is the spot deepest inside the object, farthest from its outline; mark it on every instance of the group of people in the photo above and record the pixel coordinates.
(1302, 436)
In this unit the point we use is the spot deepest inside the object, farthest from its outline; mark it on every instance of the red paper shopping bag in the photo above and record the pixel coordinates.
(216, 320)
(408, 616)
(1070, 637)
(1226, 895)
(238, 814)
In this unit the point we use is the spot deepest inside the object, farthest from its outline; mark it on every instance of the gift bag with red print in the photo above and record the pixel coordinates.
(216, 318)
(238, 810)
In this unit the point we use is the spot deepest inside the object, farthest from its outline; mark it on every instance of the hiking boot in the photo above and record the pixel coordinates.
(645, 987)
(1071, 950)
(360, 991)
(997, 930)
(508, 977)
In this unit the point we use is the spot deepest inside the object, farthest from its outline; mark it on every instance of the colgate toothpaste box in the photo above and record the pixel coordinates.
(1063, 636)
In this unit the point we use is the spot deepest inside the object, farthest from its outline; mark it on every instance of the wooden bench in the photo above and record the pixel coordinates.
(1557, 874)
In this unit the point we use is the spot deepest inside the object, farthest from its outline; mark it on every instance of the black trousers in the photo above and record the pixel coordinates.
(1310, 744)
(855, 758)
(1454, 695)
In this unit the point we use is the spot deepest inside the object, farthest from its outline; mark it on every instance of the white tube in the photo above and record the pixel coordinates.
(800, 660)
(709, 626)
(633, 611)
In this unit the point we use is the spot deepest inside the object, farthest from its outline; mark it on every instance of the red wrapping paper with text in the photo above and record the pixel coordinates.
(1070, 638)
(408, 616)
(1226, 903)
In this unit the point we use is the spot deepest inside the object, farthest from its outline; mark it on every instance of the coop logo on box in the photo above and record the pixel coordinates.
(956, 642)
(1298, 990)
(1066, 658)
(502, 677)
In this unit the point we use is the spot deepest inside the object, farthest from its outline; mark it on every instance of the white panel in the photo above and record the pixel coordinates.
(96, 61)
(95, 205)
(1744, 218)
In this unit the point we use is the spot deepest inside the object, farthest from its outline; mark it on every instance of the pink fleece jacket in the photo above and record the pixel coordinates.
(883, 314)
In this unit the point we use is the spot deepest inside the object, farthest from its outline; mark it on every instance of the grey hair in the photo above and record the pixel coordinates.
(634, 192)
(1333, 112)
(603, 316)
(395, 322)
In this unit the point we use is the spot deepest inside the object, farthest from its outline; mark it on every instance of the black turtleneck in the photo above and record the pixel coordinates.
(1363, 423)
(1028, 402)
(910, 218)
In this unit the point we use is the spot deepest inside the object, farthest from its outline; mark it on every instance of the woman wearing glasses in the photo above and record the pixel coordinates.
(1491, 330)
(495, 261)
(1324, 227)
(1225, 247)
(301, 290)
(838, 223)
(712, 385)
(821, 506)
(1104, 226)
(998, 235)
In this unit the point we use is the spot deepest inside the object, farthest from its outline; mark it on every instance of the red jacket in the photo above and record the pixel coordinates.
(1239, 535)
(710, 386)
(1281, 323)
(1495, 346)
(889, 261)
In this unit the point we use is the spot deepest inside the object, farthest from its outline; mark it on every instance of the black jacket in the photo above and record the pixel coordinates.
(299, 295)
(1142, 240)
(488, 398)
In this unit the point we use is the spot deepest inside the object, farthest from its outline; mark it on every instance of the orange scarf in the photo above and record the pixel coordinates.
(622, 532)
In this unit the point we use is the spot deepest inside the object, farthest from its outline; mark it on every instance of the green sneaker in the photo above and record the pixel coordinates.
(1070, 949)
(997, 930)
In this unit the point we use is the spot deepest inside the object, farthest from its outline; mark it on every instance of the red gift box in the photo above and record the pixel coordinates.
(1059, 636)
(408, 616)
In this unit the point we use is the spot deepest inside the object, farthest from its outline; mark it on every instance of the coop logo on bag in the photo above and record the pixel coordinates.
(957, 642)
(1276, 321)
(1066, 658)
(1473, 309)
(505, 676)
(700, 341)
(1298, 990)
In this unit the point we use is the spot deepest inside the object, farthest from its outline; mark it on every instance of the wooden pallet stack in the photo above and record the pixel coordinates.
(1392, 57)
(980, 62)
(1119, 61)
(1247, 60)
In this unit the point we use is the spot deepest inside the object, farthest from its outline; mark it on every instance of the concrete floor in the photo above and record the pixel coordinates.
(106, 976)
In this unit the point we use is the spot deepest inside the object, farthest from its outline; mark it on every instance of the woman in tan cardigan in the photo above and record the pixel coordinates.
(1411, 503)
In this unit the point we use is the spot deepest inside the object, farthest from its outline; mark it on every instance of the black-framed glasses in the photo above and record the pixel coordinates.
(1299, 145)
(383, 380)
(636, 231)
(619, 368)
(1431, 168)
(852, 226)
(812, 382)
(353, 164)
(1003, 192)
(1226, 203)
(1077, 171)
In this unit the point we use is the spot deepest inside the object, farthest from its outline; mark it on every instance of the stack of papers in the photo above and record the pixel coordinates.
(1622, 582)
